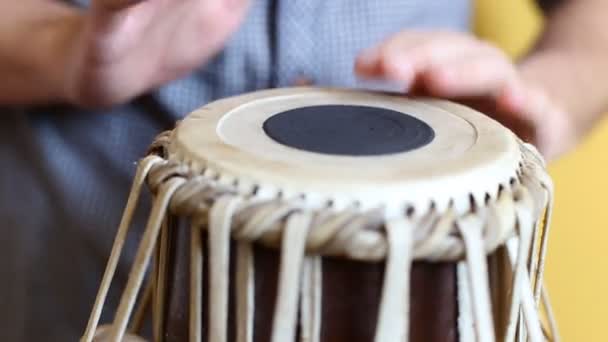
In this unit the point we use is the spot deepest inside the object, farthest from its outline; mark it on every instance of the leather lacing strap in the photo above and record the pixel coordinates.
(220, 222)
(474, 297)
(311, 299)
(290, 269)
(245, 291)
(142, 258)
(394, 304)
(140, 177)
(476, 271)
(159, 280)
(196, 283)
(522, 297)
(542, 190)
(304, 235)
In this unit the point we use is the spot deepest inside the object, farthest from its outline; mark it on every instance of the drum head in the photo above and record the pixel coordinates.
(349, 147)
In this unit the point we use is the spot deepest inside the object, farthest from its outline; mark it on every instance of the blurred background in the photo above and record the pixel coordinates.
(577, 266)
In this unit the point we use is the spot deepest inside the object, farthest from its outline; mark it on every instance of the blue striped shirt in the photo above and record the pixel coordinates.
(65, 173)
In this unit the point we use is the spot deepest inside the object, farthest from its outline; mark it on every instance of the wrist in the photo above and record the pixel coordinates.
(562, 110)
(540, 71)
(570, 79)
(553, 74)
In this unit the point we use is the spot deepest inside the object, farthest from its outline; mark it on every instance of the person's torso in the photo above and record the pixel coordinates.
(65, 172)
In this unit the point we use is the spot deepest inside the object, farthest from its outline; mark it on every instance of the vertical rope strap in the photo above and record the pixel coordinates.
(547, 184)
(550, 317)
(220, 222)
(471, 230)
(540, 292)
(142, 258)
(292, 254)
(538, 281)
(245, 293)
(393, 318)
(516, 328)
(533, 258)
(160, 282)
(540, 195)
(534, 255)
(311, 299)
(140, 312)
(533, 323)
(140, 176)
(196, 283)
(522, 283)
(465, 313)
(154, 278)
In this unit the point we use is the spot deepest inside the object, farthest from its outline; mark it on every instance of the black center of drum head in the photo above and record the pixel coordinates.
(348, 130)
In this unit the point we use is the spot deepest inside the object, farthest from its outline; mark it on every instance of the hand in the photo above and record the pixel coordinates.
(126, 47)
(460, 67)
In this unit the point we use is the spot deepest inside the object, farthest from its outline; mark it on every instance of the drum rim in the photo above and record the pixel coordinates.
(477, 178)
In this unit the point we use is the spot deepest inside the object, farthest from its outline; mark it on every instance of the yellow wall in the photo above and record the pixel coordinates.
(577, 268)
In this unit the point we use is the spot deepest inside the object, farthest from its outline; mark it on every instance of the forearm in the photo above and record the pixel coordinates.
(35, 41)
(570, 61)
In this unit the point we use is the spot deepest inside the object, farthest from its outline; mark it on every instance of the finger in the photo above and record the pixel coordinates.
(474, 74)
(368, 62)
(403, 57)
(408, 40)
(408, 49)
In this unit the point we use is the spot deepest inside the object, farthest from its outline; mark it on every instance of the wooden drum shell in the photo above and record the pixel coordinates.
(351, 295)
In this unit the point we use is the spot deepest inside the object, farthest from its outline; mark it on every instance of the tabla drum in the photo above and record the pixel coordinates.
(310, 214)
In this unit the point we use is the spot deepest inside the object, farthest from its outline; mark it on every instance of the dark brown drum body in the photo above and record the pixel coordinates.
(351, 296)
